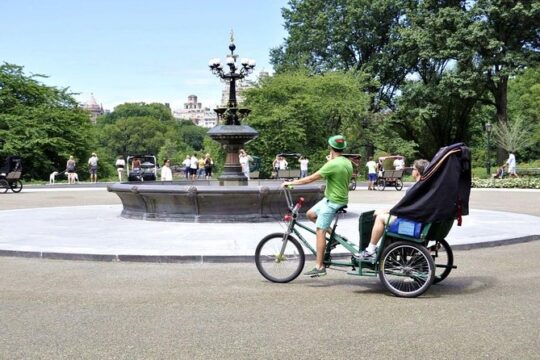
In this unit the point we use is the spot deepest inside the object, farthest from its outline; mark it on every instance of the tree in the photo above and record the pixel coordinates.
(139, 128)
(504, 39)
(524, 103)
(42, 124)
(359, 35)
(295, 112)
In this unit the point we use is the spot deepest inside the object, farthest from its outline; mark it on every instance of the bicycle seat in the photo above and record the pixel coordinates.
(341, 210)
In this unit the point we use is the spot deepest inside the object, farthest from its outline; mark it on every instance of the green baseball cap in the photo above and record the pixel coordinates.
(337, 142)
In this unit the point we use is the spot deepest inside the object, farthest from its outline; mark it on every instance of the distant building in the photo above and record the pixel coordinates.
(195, 112)
(92, 106)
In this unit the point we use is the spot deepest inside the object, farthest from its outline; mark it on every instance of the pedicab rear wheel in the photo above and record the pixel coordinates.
(352, 184)
(381, 184)
(4, 186)
(442, 255)
(406, 269)
(16, 186)
(277, 266)
(399, 184)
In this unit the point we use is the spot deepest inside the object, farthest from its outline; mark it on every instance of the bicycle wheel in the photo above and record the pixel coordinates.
(352, 185)
(277, 266)
(406, 269)
(16, 186)
(4, 186)
(399, 184)
(381, 184)
(444, 259)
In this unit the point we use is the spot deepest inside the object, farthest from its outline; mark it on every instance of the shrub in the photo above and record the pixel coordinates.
(522, 183)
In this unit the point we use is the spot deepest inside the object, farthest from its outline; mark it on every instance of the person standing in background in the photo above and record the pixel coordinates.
(93, 166)
(194, 163)
(511, 163)
(166, 172)
(120, 167)
(244, 162)
(187, 166)
(70, 169)
(372, 173)
(303, 166)
(208, 164)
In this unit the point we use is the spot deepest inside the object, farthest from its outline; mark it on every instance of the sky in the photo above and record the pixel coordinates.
(137, 51)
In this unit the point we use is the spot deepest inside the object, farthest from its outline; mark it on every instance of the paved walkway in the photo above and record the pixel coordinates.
(97, 232)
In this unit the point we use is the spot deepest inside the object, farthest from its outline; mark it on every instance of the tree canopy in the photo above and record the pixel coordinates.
(42, 124)
(295, 112)
(430, 63)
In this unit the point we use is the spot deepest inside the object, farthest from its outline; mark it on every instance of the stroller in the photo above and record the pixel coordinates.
(10, 174)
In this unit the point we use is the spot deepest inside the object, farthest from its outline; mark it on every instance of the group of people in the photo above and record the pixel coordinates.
(71, 169)
(198, 168)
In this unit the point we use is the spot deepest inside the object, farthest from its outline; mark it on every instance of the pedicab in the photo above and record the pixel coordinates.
(389, 176)
(146, 169)
(10, 174)
(288, 173)
(411, 255)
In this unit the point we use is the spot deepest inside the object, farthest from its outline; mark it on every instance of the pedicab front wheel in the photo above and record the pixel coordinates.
(279, 258)
(381, 184)
(406, 269)
(399, 184)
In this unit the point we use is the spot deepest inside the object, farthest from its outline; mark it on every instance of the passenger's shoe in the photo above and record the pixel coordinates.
(316, 272)
(366, 255)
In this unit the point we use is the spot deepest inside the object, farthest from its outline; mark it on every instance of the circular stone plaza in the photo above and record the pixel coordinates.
(83, 222)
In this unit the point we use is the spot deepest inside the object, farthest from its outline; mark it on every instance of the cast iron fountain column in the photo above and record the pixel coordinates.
(230, 133)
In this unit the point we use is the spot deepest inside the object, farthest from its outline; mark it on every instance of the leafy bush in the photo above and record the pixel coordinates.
(522, 183)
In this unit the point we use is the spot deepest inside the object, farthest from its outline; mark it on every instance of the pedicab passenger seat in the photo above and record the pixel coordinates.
(430, 231)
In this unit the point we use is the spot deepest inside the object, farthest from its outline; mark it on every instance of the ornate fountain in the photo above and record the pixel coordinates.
(206, 201)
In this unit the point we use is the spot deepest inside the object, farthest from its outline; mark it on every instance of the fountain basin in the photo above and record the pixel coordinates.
(209, 203)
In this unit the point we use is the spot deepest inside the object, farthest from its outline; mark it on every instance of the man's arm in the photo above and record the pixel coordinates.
(306, 180)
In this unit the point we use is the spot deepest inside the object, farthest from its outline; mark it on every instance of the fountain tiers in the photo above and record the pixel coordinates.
(171, 201)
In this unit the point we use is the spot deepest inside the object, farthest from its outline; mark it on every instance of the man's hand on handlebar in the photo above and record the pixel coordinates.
(287, 184)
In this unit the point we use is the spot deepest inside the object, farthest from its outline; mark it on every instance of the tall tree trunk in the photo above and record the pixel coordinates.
(500, 93)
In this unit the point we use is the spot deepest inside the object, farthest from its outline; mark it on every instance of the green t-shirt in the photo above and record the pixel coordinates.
(337, 173)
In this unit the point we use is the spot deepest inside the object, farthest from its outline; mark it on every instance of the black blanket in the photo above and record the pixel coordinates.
(443, 191)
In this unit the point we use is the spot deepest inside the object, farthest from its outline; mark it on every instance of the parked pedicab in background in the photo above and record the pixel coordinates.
(412, 254)
(147, 171)
(10, 174)
(292, 171)
(389, 176)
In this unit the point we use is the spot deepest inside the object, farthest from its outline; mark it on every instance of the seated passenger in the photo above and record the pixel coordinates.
(381, 217)
(500, 173)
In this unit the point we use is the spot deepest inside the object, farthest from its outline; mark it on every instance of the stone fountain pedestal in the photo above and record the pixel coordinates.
(232, 138)
(210, 203)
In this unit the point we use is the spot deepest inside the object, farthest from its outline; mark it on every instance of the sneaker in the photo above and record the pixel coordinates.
(316, 272)
(366, 255)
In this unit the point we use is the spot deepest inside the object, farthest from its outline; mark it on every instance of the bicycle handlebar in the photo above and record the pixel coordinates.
(290, 204)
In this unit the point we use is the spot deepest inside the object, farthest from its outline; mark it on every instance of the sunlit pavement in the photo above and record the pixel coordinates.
(97, 232)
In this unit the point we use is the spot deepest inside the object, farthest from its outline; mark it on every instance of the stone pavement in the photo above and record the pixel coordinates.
(97, 232)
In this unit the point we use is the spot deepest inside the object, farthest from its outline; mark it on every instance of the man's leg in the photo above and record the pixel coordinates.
(378, 228)
(321, 245)
(376, 233)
